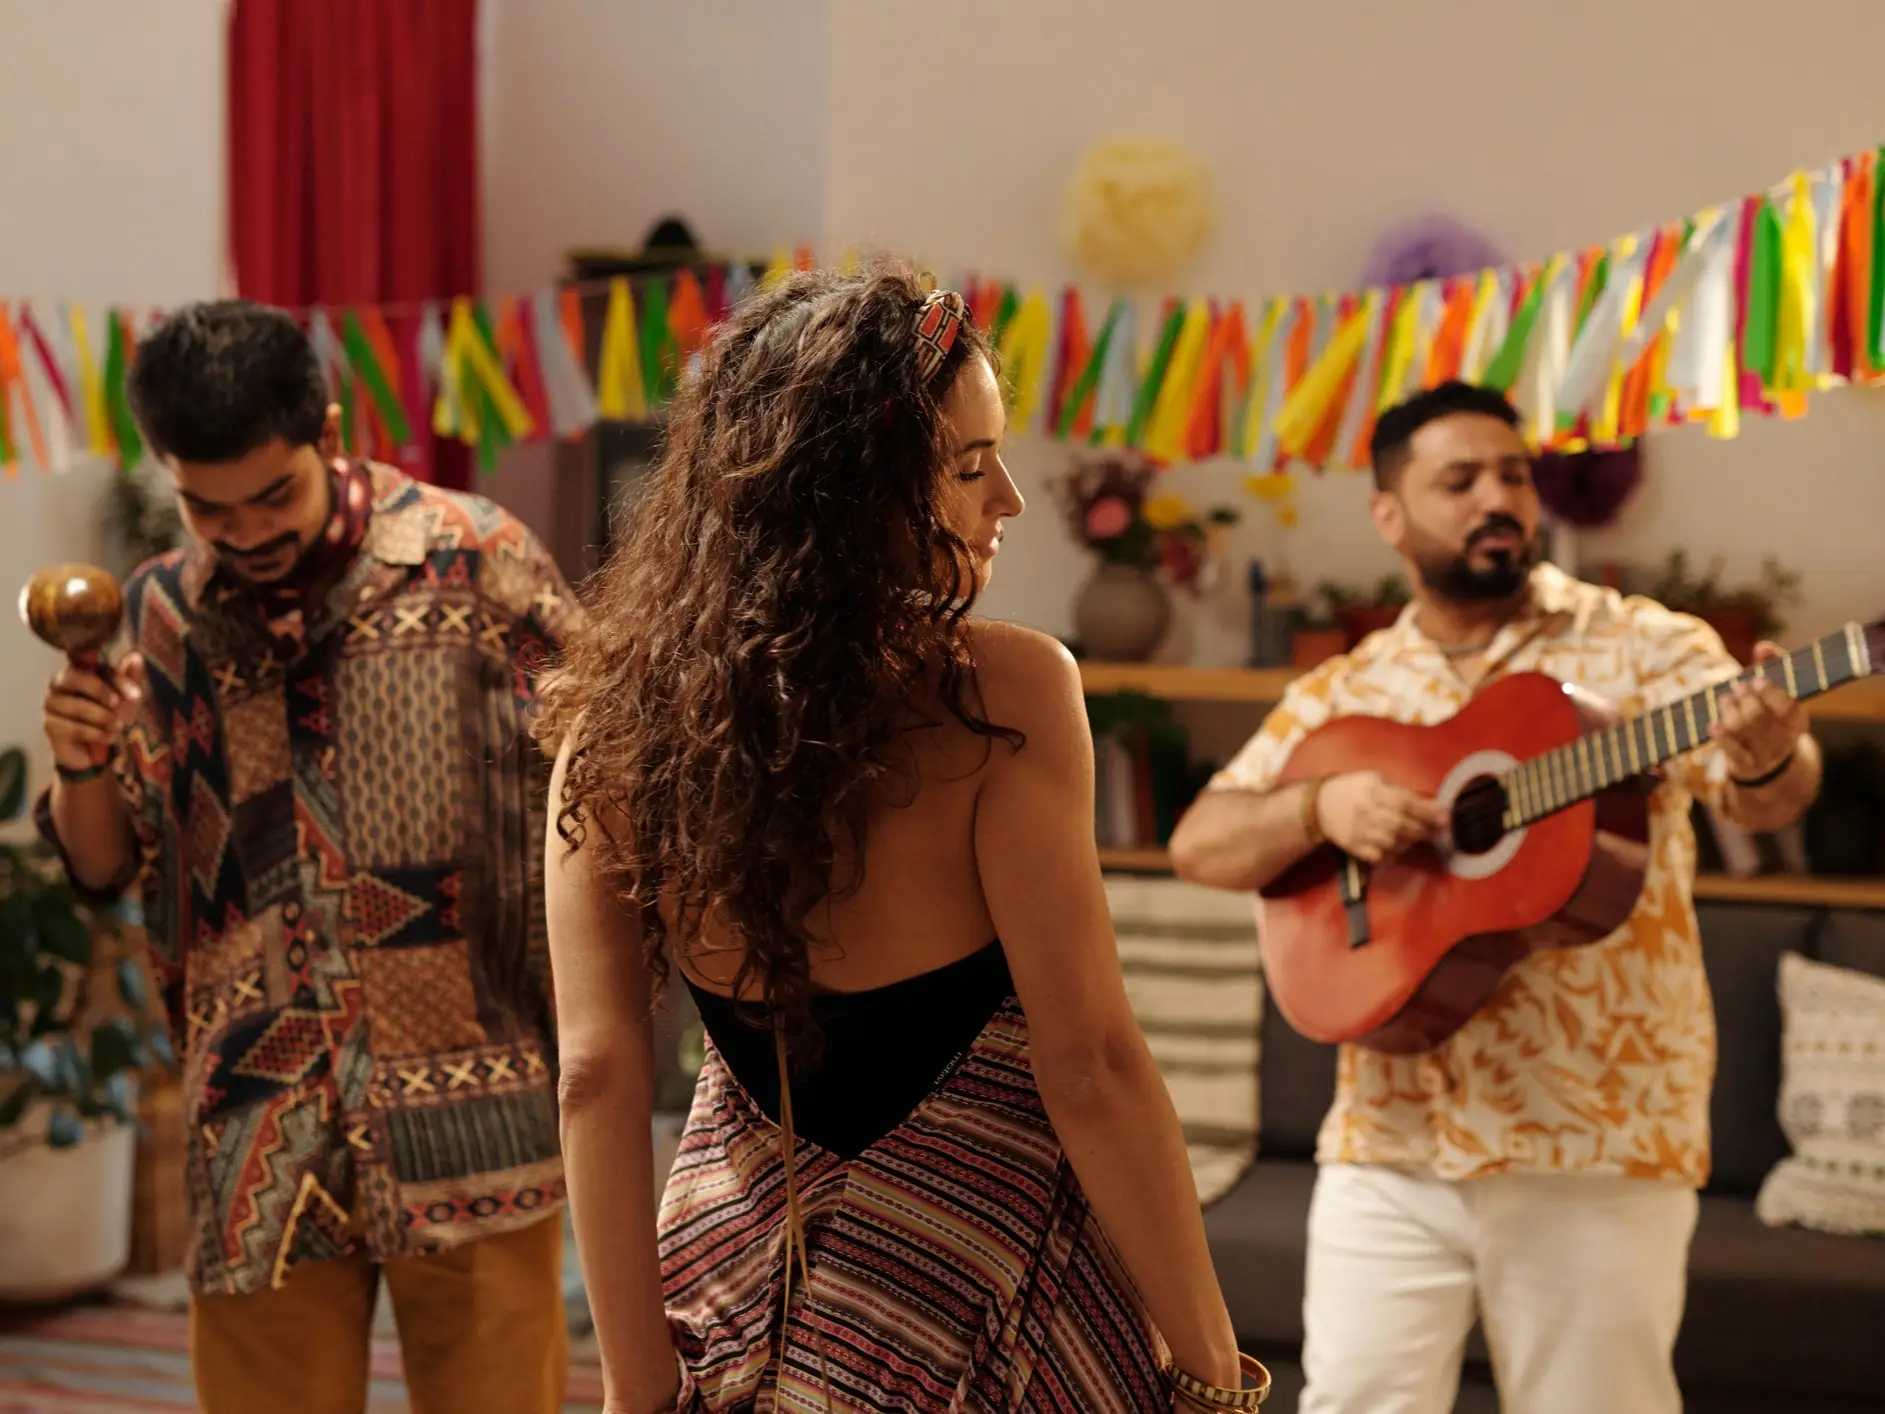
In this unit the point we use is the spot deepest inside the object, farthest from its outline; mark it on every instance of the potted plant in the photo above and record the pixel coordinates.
(1360, 612)
(1320, 636)
(1144, 540)
(1743, 616)
(72, 1035)
(142, 517)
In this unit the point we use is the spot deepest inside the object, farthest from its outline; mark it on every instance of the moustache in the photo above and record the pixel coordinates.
(265, 551)
(1496, 525)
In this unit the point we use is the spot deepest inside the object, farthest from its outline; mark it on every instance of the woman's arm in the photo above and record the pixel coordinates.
(606, 1093)
(1110, 1109)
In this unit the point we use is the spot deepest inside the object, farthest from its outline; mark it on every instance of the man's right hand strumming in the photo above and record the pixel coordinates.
(1372, 819)
(84, 715)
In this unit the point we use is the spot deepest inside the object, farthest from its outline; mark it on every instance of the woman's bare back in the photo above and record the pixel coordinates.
(920, 905)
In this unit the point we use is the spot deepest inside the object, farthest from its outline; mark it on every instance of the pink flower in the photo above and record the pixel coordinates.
(1107, 518)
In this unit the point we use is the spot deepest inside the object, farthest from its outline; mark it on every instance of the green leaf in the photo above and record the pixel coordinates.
(73, 1072)
(131, 984)
(17, 943)
(114, 1047)
(12, 783)
(63, 1130)
(62, 932)
(41, 1061)
(48, 990)
(14, 1105)
(118, 1096)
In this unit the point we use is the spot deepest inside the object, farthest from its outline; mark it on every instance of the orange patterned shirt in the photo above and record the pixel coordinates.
(1594, 1059)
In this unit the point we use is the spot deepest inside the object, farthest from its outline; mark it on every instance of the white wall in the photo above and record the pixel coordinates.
(111, 189)
(1549, 126)
(601, 117)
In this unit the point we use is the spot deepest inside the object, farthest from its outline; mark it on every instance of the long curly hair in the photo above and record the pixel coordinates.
(786, 605)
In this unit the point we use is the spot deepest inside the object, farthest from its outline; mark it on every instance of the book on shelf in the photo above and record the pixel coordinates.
(1141, 787)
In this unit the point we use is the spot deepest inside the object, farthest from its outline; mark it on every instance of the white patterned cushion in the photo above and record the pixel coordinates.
(1832, 1101)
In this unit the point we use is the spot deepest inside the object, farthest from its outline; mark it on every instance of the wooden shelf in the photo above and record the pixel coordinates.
(1182, 684)
(1139, 861)
(1807, 890)
(1862, 701)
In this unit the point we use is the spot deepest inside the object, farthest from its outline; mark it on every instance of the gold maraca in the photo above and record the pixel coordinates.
(76, 609)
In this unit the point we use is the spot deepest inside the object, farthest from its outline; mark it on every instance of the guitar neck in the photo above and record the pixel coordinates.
(1608, 757)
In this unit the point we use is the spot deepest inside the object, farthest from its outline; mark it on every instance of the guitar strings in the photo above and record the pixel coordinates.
(1480, 806)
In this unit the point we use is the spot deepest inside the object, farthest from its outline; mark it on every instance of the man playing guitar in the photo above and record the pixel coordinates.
(1539, 1168)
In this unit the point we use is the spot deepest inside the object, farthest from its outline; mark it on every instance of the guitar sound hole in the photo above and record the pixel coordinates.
(1477, 816)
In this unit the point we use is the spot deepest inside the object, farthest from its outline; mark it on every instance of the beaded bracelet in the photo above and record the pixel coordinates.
(1766, 778)
(83, 774)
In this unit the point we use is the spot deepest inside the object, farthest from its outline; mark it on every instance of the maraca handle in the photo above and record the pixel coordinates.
(94, 662)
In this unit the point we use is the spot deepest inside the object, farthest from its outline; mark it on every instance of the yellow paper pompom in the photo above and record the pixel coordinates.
(1167, 511)
(1137, 210)
(1270, 487)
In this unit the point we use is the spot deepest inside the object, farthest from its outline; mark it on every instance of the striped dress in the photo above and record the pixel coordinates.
(955, 1267)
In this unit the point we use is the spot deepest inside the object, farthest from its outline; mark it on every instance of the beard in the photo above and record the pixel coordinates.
(276, 561)
(1454, 576)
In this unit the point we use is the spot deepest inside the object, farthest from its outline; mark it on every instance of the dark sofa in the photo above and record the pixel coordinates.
(1779, 1321)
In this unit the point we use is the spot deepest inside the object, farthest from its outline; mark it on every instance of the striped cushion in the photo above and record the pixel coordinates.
(1195, 978)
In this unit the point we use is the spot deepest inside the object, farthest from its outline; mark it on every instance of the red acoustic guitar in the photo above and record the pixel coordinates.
(1546, 846)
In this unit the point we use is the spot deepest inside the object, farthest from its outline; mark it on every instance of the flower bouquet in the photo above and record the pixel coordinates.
(1142, 537)
(1112, 508)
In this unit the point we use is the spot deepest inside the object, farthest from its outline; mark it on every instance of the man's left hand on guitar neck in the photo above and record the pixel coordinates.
(1773, 761)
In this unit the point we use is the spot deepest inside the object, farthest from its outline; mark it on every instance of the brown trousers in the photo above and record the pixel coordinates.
(481, 1330)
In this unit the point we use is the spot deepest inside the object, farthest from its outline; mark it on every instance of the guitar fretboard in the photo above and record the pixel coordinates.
(1559, 778)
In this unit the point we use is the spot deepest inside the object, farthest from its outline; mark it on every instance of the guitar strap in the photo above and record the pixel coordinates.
(1355, 899)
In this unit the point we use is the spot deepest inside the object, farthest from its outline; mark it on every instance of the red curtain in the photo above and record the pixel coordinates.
(353, 161)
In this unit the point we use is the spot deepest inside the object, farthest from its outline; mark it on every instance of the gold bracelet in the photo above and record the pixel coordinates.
(1199, 1395)
(1311, 820)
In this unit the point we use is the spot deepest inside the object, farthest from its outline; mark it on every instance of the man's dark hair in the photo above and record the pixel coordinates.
(214, 381)
(1394, 430)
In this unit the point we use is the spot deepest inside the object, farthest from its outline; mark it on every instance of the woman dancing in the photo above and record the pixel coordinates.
(931, 1165)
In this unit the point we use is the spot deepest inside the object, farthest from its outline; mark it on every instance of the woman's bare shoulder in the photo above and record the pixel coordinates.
(1026, 678)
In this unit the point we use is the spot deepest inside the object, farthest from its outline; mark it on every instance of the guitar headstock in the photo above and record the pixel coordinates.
(1874, 634)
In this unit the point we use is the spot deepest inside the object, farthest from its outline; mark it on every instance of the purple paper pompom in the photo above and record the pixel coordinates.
(1432, 248)
(1588, 489)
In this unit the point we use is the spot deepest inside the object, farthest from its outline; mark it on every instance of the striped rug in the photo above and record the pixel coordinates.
(118, 1360)
(1195, 977)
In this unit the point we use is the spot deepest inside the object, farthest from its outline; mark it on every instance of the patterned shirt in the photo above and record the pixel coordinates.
(340, 862)
(1595, 1059)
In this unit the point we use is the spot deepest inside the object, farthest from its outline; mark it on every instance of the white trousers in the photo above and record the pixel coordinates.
(1578, 1281)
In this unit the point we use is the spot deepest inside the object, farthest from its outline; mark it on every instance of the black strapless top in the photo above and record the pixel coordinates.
(883, 1050)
